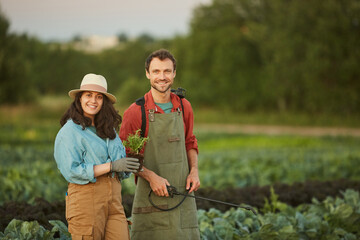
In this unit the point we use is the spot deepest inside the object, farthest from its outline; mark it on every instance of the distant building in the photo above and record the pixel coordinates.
(95, 43)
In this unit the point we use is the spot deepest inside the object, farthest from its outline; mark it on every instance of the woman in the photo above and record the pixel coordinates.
(91, 157)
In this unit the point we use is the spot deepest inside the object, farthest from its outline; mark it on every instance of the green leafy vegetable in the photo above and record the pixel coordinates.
(135, 142)
(18, 229)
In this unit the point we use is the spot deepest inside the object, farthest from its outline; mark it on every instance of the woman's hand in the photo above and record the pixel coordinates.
(125, 164)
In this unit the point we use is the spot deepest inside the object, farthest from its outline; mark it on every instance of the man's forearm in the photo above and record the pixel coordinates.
(193, 180)
(192, 160)
(146, 174)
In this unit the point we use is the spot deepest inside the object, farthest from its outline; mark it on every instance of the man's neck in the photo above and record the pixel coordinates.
(160, 97)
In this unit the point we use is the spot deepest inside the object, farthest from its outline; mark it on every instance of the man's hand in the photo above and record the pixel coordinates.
(193, 181)
(158, 185)
(125, 165)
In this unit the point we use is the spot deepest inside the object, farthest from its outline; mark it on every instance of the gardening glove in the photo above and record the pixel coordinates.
(125, 164)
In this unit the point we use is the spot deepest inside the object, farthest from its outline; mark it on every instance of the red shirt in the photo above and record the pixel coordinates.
(132, 119)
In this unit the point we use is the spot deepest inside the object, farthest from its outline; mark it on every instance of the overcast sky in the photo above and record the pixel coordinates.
(63, 19)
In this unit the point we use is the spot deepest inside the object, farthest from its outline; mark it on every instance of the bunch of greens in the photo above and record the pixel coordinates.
(135, 142)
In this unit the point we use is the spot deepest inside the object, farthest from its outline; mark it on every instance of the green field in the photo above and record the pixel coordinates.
(28, 171)
(245, 160)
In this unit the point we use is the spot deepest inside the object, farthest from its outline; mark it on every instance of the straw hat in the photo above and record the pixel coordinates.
(94, 83)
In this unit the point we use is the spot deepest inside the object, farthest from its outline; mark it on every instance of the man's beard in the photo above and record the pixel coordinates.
(154, 87)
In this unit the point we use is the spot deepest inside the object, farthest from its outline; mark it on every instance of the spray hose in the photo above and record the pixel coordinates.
(173, 191)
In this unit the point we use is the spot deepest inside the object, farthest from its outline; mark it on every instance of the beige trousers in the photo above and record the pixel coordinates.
(95, 210)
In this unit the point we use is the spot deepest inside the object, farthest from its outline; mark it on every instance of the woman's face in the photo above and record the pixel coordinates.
(91, 103)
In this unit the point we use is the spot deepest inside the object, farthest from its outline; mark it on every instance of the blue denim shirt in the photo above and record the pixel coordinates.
(76, 151)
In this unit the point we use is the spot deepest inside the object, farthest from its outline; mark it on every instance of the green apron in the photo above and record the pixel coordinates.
(165, 154)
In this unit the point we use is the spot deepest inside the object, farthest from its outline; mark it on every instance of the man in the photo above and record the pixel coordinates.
(170, 156)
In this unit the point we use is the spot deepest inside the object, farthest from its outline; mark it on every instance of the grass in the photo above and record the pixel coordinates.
(50, 109)
(204, 115)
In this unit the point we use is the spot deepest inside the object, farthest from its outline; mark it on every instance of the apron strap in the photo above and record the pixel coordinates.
(141, 102)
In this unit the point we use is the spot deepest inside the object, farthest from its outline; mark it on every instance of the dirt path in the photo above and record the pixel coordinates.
(279, 130)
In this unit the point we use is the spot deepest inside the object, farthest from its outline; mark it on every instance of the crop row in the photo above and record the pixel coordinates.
(333, 218)
(29, 170)
(293, 195)
(248, 160)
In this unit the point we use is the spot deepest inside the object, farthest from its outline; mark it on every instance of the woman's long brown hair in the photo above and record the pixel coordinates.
(106, 120)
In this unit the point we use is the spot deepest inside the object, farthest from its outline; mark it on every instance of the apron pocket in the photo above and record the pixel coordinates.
(188, 214)
(146, 217)
(150, 221)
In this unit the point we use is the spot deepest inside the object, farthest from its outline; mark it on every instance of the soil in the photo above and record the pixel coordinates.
(42, 211)
(138, 156)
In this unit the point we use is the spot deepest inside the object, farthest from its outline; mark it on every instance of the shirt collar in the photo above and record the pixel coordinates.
(150, 104)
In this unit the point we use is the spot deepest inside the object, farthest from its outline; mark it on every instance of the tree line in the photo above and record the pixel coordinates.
(243, 55)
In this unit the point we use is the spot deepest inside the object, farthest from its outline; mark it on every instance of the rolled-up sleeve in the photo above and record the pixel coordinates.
(190, 139)
(69, 158)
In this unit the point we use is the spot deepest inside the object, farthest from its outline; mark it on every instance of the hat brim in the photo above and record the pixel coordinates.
(72, 94)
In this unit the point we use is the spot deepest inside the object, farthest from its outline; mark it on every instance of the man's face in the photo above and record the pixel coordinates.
(161, 74)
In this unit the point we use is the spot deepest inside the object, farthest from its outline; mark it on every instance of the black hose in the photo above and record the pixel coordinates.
(172, 191)
(171, 194)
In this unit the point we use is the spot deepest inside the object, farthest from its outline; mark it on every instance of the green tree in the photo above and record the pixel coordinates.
(14, 86)
(222, 61)
(310, 51)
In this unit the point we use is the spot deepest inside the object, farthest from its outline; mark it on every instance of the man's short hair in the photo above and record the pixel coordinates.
(161, 54)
